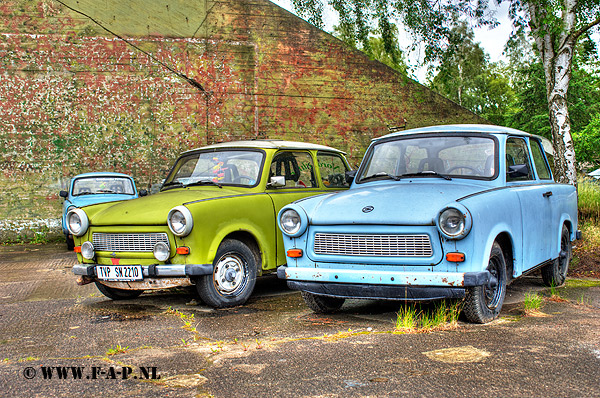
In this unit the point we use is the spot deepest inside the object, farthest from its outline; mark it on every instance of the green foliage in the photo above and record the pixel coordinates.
(589, 200)
(532, 302)
(421, 318)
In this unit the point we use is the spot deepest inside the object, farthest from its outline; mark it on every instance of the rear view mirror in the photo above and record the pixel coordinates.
(63, 194)
(350, 174)
(277, 181)
(518, 170)
(143, 192)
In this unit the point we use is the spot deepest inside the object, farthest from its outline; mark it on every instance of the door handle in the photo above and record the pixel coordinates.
(547, 194)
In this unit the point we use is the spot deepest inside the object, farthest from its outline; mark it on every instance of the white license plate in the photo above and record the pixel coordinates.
(119, 272)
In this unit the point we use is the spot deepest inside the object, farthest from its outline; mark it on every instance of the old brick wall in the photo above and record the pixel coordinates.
(74, 97)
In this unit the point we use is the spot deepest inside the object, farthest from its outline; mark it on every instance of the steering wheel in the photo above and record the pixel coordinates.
(239, 179)
(473, 170)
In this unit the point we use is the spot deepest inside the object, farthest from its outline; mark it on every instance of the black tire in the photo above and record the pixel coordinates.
(483, 303)
(322, 304)
(118, 294)
(554, 274)
(234, 276)
(70, 243)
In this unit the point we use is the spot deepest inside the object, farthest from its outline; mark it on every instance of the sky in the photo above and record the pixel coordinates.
(491, 40)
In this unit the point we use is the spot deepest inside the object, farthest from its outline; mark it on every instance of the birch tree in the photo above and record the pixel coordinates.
(554, 25)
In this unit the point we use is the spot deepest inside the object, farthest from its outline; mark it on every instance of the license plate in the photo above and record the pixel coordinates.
(119, 272)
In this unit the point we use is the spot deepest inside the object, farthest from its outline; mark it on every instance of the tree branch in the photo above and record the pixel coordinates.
(586, 28)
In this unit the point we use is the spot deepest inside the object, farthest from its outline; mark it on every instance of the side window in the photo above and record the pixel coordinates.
(541, 166)
(332, 169)
(517, 160)
(296, 167)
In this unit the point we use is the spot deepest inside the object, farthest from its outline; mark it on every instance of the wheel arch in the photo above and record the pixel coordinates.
(506, 243)
(249, 240)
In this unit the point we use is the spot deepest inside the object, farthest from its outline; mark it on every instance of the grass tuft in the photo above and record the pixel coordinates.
(419, 319)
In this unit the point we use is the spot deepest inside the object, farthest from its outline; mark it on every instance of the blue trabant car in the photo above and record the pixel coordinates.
(97, 187)
(439, 212)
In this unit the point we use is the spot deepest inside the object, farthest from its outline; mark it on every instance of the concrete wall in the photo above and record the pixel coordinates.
(74, 97)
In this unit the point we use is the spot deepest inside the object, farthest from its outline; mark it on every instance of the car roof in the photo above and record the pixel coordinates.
(460, 128)
(268, 144)
(471, 128)
(101, 174)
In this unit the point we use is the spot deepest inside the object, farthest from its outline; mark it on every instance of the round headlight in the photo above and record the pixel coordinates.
(454, 223)
(180, 221)
(77, 222)
(161, 251)
(290, 221)
(87, 250)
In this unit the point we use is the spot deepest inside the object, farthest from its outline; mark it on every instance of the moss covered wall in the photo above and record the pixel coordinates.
(76, 98)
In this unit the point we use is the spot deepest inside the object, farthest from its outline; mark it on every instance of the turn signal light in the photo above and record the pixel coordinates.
(294, 253)
(455, 257)
(77, 249)
(183, 250)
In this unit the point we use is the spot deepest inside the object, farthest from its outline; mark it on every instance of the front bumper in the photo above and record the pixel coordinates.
(154, 270)
(346, 283)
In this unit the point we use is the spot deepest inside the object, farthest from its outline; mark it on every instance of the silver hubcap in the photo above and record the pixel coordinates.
(229, 274)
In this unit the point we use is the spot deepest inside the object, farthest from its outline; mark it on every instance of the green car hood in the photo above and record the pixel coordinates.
(153, 209)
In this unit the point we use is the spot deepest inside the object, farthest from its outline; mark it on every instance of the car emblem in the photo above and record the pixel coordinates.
(114, 254)
(367, 209)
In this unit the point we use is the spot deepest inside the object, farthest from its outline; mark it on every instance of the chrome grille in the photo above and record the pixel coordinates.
(127, 242)
(416, 245)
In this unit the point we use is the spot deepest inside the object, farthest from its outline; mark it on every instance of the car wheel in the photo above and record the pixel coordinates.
(554, 274)
(70, 243)
(322, 304)
(118, 294)
(233, 277)
(483, 303)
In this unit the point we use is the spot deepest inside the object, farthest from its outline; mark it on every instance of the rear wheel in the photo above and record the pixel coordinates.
(483, 303)
(233, 278)
(118, 294)
(554, 274)
(322, 304)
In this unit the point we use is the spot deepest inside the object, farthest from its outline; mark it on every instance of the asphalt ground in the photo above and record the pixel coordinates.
(167, 344)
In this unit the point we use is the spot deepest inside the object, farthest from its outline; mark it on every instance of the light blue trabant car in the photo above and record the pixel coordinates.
(438, 212)
(96, 187)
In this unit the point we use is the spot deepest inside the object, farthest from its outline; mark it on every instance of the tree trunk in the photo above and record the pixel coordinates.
(557, 63)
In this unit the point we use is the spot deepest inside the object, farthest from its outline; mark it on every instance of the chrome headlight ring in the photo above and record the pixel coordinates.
(292, 220)
(77, 222)
(180, 221)
(454, 221)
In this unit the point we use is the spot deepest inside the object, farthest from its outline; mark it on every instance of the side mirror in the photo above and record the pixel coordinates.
(276, 181)
(350, 174)
(143, 192)
(63, 194)
(518, 170)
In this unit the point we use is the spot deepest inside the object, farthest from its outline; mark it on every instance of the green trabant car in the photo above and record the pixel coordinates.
(213, 223)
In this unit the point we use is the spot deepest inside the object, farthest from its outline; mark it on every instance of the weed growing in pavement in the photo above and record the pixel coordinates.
(532, 303)
(116, 350)
(416, 318)
(555, 295)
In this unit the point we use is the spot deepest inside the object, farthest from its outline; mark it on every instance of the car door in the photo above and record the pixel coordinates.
(534, 204)
(297, 167)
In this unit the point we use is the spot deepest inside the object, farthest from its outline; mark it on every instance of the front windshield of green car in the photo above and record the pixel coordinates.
(445, 156)
(227, 167)
(102, 185)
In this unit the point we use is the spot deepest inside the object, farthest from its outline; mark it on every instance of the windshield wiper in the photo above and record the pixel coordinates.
(105, 191)
(427, 173)
(204, 182)
(381, 174)
(172, 184)
(85, 193)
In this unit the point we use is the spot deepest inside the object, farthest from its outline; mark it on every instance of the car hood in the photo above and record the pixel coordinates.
(403, 203)
(153, 209)
(87, 200)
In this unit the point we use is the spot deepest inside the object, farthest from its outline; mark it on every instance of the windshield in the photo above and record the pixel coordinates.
(452, 156)
(102, 185)
(228, 167)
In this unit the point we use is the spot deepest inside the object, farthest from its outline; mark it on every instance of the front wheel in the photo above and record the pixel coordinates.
(554, 274)
(233, 277)
(483, 303)
(118, 294)
(322, 304)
